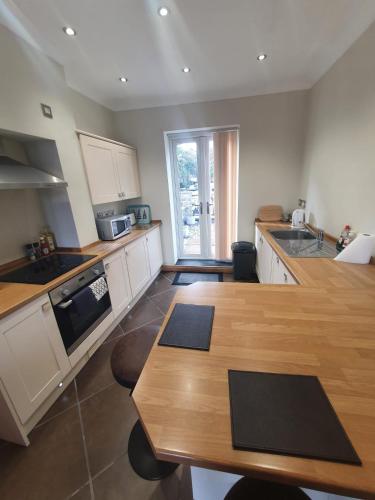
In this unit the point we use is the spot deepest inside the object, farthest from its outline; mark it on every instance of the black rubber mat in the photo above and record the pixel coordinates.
(203, 262)
(189, 326)
(190, 278)
(286, 414)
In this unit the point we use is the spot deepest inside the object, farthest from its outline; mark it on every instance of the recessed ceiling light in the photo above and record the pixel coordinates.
(262, 57)
(163, 11)
(186, 70)
(123, 79)
(69, 31)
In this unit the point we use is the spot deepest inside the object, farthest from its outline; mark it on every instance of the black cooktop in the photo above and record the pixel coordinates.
(46, 269)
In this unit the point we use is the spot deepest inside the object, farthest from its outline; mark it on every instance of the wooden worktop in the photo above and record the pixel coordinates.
(324, 327)
(15, 295)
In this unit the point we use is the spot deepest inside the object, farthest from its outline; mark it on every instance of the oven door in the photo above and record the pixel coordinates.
(80, 313)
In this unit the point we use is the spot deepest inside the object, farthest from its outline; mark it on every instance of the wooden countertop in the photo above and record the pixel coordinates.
(15, 295)
(324, 327)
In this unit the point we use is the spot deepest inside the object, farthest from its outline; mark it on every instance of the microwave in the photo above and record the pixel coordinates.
(113, 227)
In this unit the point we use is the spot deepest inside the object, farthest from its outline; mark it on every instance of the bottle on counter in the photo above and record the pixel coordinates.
(50, 238)
(30, 251)
(346, 237)
(37, 250)
(44, 245)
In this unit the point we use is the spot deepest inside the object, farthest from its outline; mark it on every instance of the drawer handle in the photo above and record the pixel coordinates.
(65, 305)
(46, 306)
(106, 267)
(285, 278)
(278, 260)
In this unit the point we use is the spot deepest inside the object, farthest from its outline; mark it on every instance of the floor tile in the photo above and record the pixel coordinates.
(53, 464)
(66, 400)
(82, 494)
(163, 300)
(159, 285)
(143, 312)
(120, 482)
(97, 373)
(108, 418)
(117, 332)
(169, 275)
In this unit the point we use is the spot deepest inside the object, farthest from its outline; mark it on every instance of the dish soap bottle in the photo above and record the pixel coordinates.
(346, 237)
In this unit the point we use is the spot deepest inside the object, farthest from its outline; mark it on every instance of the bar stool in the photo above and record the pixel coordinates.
(248, 488)
(127, 360)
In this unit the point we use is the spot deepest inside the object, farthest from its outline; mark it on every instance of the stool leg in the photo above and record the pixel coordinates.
(142, 458)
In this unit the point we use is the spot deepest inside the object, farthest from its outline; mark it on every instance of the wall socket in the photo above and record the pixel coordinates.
(105, 213)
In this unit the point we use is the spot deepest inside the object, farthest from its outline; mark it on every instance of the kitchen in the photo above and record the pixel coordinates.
(310, 140)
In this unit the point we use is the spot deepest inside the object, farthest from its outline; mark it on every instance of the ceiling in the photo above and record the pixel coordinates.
(218, 39)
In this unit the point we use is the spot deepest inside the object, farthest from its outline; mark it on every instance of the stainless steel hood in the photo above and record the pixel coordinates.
(16, 175)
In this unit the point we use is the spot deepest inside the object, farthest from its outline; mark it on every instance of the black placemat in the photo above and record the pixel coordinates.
(184, 278)
(189, 326)
(286, 414)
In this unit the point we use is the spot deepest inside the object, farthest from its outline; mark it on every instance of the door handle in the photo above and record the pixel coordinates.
(208, 204)
(65, 305)
(201, 208)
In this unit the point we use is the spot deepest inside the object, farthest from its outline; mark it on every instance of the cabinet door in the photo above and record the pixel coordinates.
(100, 164)
(264, 260)
(118, 281)
(155, 254)
(280, 274)
(33, 360)
(127, 167)
(138, 266)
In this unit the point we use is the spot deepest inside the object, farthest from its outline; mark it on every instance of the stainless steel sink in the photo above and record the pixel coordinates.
(302, 243)
(293, 234)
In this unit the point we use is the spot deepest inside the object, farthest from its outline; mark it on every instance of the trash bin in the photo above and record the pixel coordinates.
(244, 257)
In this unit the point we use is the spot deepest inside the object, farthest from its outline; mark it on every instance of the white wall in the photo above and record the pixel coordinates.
(271, 142)
(339, 164)
(29, 78)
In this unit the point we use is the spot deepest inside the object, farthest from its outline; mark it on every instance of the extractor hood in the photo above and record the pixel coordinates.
(17, 175)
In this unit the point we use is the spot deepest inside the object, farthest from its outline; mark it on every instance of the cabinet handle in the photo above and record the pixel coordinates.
(285, 278)
(277, 260)
(126, 253)
(119, 195)
(46, 306)
(106, 267)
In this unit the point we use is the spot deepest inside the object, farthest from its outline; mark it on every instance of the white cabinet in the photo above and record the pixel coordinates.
(154, 251)
(138, 265)
(118, 281)
(112, 170)
(264, 257)
(101, 170)
(280, 274)
(270, 268)
(33, 360)
(127, 167)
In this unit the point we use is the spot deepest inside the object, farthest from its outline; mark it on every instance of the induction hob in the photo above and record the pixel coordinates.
(46, 269)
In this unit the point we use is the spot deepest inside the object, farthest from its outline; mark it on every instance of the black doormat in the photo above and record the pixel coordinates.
(190, 278)
(189, 326)
(204, 262)
(288, 415)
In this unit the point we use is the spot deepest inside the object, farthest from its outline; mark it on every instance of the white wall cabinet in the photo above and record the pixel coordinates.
(154, 251)
(33, 360)
(138, 266)
(118, 281)
(111, 169)
(270, 268)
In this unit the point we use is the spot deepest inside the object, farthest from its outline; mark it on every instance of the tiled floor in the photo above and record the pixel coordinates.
(79, 449)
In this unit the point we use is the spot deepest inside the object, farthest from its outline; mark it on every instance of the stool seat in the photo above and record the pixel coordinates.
(127, 360)
(248, 489)
(130, 354)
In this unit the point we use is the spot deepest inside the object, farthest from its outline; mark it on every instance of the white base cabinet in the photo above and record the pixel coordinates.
(138, 265)
(154, 251)
(270, 268)
(118, 281)
(33, 360)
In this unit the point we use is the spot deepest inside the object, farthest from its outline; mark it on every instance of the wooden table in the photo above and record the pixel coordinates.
(182, 395)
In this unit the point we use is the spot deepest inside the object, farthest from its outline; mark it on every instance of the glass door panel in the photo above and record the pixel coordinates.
(211, 197)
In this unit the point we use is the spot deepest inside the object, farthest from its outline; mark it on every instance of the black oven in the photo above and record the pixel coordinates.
(80, 305)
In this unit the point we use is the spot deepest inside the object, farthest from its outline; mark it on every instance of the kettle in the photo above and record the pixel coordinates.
(298, 218)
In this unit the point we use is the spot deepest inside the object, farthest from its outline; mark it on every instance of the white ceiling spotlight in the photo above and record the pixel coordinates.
(123, 79)
(262, 57)
(186, 70)
(69, 31)
(163, 11)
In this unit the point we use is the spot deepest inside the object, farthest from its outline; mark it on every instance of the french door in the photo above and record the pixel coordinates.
(194, 194)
